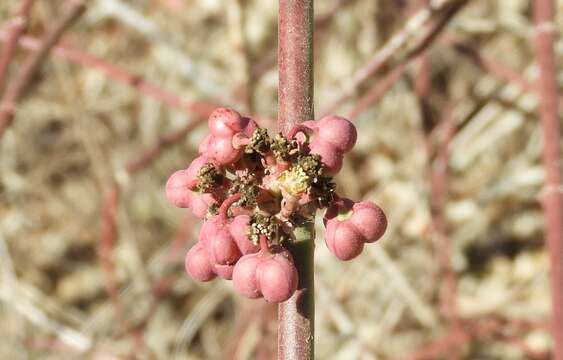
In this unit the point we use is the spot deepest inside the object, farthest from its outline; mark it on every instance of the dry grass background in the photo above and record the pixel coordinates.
(76, 129)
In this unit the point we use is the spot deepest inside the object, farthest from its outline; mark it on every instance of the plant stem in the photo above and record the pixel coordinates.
(295, 95)
(551, 200)
(34, 61)
(17, 27)
(121, 75)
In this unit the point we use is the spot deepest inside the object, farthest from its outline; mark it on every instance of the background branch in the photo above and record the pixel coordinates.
(34, 61)
(552, 199)
(16, 27)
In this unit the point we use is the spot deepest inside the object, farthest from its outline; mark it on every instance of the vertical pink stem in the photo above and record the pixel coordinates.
(295, 60)
(552, 201)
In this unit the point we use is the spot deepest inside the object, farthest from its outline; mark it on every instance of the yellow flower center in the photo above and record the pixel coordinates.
(294, 181)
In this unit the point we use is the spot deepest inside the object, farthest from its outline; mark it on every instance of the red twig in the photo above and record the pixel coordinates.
(107, 243)
(263, 314)
(483, 328)
(34, 62)
(200, 110)
(437, 172)
(17, 27)
(552, 200)
(165, 141)
(122, 75)
(377, 92)
(295, 95)
(496, 69)
(419, 29)
(438, 194)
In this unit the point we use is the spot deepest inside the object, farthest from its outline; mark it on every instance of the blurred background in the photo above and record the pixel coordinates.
(91, 253)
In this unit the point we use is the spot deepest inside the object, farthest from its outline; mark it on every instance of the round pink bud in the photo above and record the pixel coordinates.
(338, 131)
(224, 271)
(222, 151)
(193, 169)
(222, 248)
(343, 240)
(244, 276)
(277, 277)
(240, 227)
(224, 122)
(331, 157)
(369, 220)
(177, 191)
(199, 204)
(202, 149)
(207, 231)
(198, 265)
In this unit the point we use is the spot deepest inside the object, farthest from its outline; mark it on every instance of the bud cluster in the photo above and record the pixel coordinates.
(253, 191)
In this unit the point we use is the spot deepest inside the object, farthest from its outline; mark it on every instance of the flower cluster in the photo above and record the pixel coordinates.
(254, 192)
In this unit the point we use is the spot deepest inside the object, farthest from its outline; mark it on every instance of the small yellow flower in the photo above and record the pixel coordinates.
(294, 181)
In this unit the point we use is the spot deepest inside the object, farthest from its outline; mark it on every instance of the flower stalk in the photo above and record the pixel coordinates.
(295, 96)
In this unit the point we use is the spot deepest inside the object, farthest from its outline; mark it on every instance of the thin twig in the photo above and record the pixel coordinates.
(377, 92)
(473, 329)
(122, 75)
(107, 244)
(17, 27)
(240, 62)
(417, 34)
(552, 200)
(295, 97)
(204, 77)
(496, 69)
(34, 61)
(199, 109)
(165, 141)
(437, 173)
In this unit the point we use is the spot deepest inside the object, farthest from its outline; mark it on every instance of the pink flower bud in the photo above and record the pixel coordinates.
(224, 122)
(349, 225)
(218, 242)
(244, 276)
(223, 250)
(193, 169)
(331, 157)
(343, 240)
(337, 131)
(369, 220)
(277, 276)
(177, 191)
(222, 151)
(200, 203)
(207, 230)
(240, 229)
(202, 149)
(198, 265)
